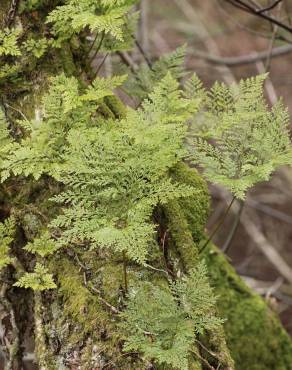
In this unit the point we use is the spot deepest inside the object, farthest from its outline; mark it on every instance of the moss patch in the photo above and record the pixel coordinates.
(255, 336)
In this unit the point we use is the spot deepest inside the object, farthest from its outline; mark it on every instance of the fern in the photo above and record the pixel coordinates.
(37, 47)
(42, 246)
(41, 152)
(103, 17)
(102, 87)
(249, 141)
(115, 172)
(8, 42)
(38, 280)
(7, 230)
(118, 172)
(164, 329)
(143, 81)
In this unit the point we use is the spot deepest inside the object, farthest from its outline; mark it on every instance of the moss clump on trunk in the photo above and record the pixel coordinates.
(254, 335)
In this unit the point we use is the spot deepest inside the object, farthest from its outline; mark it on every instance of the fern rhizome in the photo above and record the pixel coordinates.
(111, 170)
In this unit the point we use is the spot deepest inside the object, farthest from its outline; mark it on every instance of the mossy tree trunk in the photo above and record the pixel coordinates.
(75, 325)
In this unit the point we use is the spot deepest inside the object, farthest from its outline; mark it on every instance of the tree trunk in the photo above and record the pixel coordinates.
(74, 325)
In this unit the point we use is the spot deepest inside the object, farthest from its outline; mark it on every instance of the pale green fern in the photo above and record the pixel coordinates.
(239, 141)
(162, 323)
(64, 107)
(38, 280)
(7, 230)
(116, 173)
(8, 42)
(103, 17)
(43, 246)
(142, 82)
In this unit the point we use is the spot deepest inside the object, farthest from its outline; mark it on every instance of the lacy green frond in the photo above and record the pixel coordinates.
(143, 81)
(165, 328)
(9, 71)
(64, 107)
(38, 280)
(8, 42)
(117, 173)
(36, 47)
(102, 87)
(248, 141)
(194, 293)
(43, 246)
(7, 230)
(104, 17)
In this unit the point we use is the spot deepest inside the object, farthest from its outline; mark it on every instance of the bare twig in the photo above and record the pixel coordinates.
(244, 59)
(203, 32)
(270, 7)
(267, 248)
(257, 12)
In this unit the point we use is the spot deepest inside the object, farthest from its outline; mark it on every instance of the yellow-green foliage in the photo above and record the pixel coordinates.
(237, 139)
(38, 280)
(8, 42)
(164, 328)
(42, 246)
(107, 18)
(7, 230)
(123, 166)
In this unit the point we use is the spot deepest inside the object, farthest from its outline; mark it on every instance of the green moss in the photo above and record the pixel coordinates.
(196, 208)
(185, 219)
(79, 303)
(180, 238)
(254, 333)
(116, 106)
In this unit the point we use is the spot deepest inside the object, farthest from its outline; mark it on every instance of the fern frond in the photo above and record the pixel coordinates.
(43, 246)
(8, 42)
(38, 280)
(164, 329)
(145, 79)
(248, 141)
(102, 87)
(117, 173)
(75, 16)
(7, 230)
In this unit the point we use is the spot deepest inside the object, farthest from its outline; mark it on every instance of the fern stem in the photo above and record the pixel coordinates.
(234, 228)
(125, 273)
(217, 227)
(98, 48)
(92, 45)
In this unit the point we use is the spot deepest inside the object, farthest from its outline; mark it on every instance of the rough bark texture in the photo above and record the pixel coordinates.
(75, 324)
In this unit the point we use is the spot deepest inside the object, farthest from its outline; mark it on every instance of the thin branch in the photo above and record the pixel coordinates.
(128, 61)
(143, 53)
(203, 360)
(249, 9)
(100, 66)
(270, 7)
(244, 59)
(267, 248)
